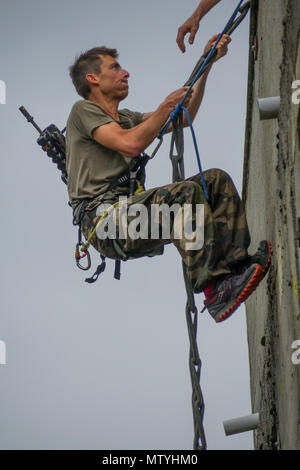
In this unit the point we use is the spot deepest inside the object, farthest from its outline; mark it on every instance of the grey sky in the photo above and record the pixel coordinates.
(106, 366)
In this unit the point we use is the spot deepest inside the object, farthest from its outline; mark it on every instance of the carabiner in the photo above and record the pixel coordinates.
(79, 257)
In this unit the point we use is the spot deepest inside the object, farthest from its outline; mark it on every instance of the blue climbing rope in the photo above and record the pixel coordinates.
(196, 150)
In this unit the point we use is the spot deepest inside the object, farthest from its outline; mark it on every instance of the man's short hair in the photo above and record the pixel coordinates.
(88, 62)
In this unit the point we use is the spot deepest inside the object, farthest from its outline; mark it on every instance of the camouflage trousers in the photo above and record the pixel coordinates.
(226, 234)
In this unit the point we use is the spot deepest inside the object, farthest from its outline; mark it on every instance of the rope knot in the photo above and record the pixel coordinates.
(175, 113)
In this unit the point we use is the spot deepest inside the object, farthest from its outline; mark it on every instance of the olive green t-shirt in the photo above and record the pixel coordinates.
(91, 167)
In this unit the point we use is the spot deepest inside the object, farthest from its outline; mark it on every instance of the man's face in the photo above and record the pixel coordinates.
(113, 79)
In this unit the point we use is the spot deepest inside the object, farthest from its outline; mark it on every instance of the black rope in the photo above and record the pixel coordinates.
(100, 268)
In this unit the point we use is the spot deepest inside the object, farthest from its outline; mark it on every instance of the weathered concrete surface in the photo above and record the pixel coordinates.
(272, 197)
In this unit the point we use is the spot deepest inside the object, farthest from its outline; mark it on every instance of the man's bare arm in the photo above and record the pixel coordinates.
(192, 24)
(131, 142)
(199, 87)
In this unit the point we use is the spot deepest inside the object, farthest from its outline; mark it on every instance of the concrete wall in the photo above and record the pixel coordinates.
(272, 197)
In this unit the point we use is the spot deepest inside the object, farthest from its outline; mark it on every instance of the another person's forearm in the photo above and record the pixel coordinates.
(204, 7)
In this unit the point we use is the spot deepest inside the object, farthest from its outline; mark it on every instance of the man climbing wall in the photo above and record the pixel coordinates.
(103, 142)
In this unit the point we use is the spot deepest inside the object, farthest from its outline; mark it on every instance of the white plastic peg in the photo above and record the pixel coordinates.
(269, 107)
(243, 424)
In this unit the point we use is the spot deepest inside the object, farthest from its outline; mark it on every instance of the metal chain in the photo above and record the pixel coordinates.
(195, 364)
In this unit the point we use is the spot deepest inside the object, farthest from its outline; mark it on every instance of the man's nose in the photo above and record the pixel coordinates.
(126, 74)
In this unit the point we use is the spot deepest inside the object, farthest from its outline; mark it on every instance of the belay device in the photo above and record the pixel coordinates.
(52, 140)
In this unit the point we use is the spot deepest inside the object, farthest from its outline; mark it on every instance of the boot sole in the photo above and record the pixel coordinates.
(267, 265)
(256, 278)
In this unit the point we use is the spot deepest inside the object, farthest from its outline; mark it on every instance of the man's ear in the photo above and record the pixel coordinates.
(92, 78)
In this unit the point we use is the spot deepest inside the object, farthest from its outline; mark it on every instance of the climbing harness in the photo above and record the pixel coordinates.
(136, 187)
(52, 141)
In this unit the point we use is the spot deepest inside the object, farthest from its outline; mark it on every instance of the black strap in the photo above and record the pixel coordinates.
(117, 274)
(80, 213)
(98, 271)
(125, 177)
(101, 268)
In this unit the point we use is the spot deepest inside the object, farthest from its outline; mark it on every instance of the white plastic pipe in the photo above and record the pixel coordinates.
(243, 424)
(269, 107)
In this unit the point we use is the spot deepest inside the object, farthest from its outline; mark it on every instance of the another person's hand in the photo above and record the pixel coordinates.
(190, 26)
(192, 23)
